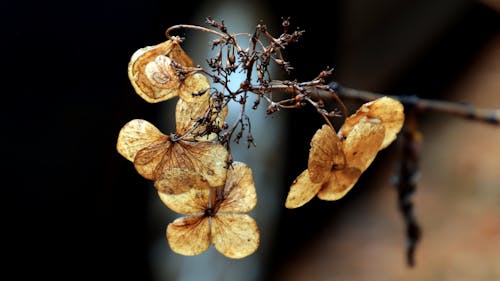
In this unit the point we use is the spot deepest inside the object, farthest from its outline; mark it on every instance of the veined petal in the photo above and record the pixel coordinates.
(301, 191)
(235, 235)
(136, 135)
(325, 152)
(189, 236)
(363, 143)
(192, 202)
(239, 191)
(339, 183)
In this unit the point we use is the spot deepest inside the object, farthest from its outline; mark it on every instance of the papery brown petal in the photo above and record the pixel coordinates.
(136, 135)
(239, 191)
(339, 183)
(194, 201)
(235, 235)
(325, 152)
(149, 159)
(362, 144)
(176, 181)
(187, 113)
(301, 191)
(189, 236)
(388, 110)
(151, 73)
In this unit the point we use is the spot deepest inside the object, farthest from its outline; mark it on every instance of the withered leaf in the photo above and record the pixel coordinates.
(189, 236)
(325, 152)
(239, 191)
(388, 110)
(155, 78)
(136, 135)
(235, 235)
(302, 191)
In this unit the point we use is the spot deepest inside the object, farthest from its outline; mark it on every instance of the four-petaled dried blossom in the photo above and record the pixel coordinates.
(216, 216)
(161, 72)
(335, 164)
(157, 156)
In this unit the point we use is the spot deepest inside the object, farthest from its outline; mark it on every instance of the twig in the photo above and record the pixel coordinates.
(490, 116)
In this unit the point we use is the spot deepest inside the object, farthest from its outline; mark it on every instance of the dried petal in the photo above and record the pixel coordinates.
(189, 236)
(176, 181)
(136, 135)
(207, 158)
(388, 110)
(301, 191)
(194, 201)
(325, 152)
(188, 112)
(339, 183)
(154, 76)
(239, 192)
(235, 235)
(362, 144)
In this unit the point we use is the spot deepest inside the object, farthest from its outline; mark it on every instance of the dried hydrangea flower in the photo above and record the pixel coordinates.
(217, 216)
(335, 164)
(155, 76)
(153, 153)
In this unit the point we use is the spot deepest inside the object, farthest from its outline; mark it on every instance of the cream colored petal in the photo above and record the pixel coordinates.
(136, 135)
(235, 235)
(362, 144)
(176, 181)
(189, 236)
(325, 152)
(301, 191)
(239, 191)
(194, 201)
(388, 110)
(151, 73)
(339, 183)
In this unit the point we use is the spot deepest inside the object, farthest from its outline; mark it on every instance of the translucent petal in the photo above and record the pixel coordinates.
(235, 235)
(239, 191)
(301, 191)
(388, 110)
(136, 135)
(189, 236)
(362, 144)
(339, 183)
(194, 201)
(325, 152)
(175, 181)
(207, 158)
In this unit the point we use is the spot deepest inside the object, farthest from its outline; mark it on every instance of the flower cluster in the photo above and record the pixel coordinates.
(192, 168)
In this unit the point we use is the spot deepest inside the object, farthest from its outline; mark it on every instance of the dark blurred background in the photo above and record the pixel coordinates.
(74, 208)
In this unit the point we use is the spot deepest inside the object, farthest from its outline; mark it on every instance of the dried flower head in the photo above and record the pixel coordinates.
(161, 72)
(154, 153)
(216, 216)
(335, 164)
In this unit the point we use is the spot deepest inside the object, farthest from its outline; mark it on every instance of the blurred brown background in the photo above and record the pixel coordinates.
(74, 208)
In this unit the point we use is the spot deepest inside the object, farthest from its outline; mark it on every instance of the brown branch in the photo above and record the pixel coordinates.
(490, 116)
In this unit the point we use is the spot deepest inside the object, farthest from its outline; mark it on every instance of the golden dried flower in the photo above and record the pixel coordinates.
(154, 153)
(217, 216)
(154, 73)
(335, 164)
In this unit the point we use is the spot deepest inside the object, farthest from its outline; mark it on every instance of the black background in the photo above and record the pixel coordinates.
(75, 207)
